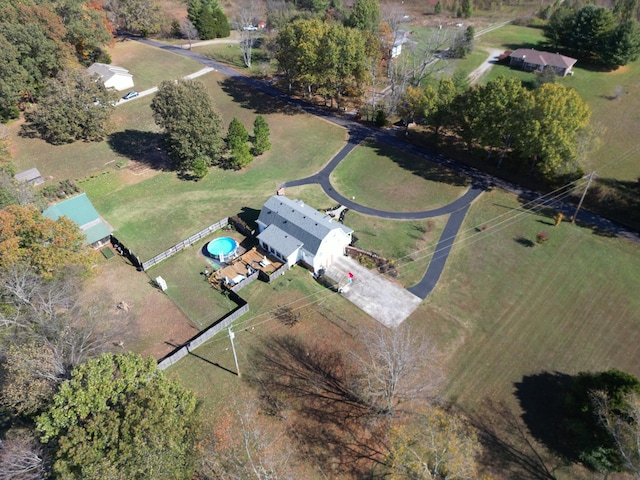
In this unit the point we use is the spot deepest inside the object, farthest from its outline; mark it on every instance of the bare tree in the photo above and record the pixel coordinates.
(622, 422)
(49, 313)
(397, 366)
(189, 30)
(249, 445)
(245, 23)
(21, 457)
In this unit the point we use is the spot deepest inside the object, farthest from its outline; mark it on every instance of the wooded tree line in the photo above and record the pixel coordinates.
(599, 35)
(38, 40)
(540, 131)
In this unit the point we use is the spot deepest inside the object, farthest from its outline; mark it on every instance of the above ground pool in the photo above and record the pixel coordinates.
(222, 248)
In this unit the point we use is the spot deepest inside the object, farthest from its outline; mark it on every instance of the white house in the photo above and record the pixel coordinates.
(295, 232)
(114, 77)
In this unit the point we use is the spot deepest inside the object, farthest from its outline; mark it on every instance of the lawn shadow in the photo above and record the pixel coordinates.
(142, 147)
(525, 242)
(249, 216)
(420, 166)
(542, 398)
(255, 100)
(509, 446)
(308, 386)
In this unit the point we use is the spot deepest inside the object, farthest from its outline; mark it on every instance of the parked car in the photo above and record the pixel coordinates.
(130, 95)
(251, 28)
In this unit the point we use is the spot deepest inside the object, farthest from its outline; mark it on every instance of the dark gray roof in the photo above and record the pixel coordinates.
(31, 176)
(294, 218)
(280, 240)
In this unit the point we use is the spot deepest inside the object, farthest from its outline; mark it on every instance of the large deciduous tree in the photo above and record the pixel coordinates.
(73, 106)
(47, 246)
(120, 417)
(555, 120)
(191, 123)
(140, 16)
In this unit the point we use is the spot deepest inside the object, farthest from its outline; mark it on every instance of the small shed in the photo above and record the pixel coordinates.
(31, 176)
(80, 210)
(112, 76)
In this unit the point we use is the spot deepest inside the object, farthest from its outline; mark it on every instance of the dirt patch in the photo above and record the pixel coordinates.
(157, 324)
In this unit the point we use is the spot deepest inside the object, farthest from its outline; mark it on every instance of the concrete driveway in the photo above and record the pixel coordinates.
(382, 299)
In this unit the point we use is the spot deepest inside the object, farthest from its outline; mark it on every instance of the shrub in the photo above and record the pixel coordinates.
(380, 119)
(542, 237)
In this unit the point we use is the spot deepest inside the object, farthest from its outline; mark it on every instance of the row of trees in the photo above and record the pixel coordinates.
(543, 130)
(595, 34)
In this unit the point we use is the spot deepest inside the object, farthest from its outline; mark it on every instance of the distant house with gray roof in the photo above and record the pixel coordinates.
(295, 232)
(112, 76)
(530, 59)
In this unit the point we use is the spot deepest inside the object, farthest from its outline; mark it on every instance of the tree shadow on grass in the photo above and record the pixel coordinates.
(255, 100)
(310, 387)
(525, 242)
(142, 147)
(421, 167)
(509, 446)
(543, 398)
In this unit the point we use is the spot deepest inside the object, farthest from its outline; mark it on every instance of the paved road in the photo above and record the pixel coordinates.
(357, 133)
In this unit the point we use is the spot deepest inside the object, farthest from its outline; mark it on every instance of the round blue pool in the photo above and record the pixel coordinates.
(222, 248)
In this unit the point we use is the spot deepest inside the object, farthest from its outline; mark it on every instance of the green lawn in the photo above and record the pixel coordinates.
(168, 210)
(388, 179)
(232, 55)
(566, 305)
(150, 65)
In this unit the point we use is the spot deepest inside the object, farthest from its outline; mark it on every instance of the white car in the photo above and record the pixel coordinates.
(251, 28)
(130, 95)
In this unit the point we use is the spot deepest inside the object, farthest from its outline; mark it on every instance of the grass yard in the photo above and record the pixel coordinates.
(231, 54)
(566, 305)
(388, 179)
(168, 210)
(189, 289)
(150, 65)
(325, 317)
(614, 99)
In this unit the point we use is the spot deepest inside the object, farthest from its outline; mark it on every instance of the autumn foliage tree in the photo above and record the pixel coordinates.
(47, 246)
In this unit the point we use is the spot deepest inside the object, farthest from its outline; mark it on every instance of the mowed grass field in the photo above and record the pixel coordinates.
(388, 179)
(512, 310)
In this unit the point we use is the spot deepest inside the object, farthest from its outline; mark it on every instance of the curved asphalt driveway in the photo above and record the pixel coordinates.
(357, 133)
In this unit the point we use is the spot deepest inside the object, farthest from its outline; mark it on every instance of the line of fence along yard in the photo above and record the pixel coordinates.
(207, 333)
(185, 243)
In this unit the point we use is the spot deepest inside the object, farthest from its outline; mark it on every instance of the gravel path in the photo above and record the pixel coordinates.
(479, 72)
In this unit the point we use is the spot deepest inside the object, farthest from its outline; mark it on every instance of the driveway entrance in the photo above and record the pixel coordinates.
(371, 292)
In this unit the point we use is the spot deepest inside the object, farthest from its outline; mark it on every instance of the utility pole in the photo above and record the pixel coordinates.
(586, 187)
(233, 347)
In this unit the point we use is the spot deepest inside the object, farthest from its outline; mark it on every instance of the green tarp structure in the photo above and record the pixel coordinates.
(80, 210)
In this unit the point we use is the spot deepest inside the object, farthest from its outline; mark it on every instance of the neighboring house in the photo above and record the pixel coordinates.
(31, 176)
(295, 232)
(402, 37)
(80, 210)
(114, 77)
(529, 59)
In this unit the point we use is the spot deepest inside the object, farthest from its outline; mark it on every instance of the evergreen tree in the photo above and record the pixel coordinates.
(261, 135)
(365, 15)
(237, 134)
(438, 8)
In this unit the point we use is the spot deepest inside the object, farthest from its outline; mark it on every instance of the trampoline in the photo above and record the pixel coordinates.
(222, 248)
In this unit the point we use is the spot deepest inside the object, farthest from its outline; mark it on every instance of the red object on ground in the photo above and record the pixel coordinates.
(350, 275)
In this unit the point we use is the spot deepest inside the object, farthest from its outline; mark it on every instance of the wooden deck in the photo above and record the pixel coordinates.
(253, 259)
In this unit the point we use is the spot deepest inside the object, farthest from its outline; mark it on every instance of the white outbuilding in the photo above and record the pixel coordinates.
(112, 76)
